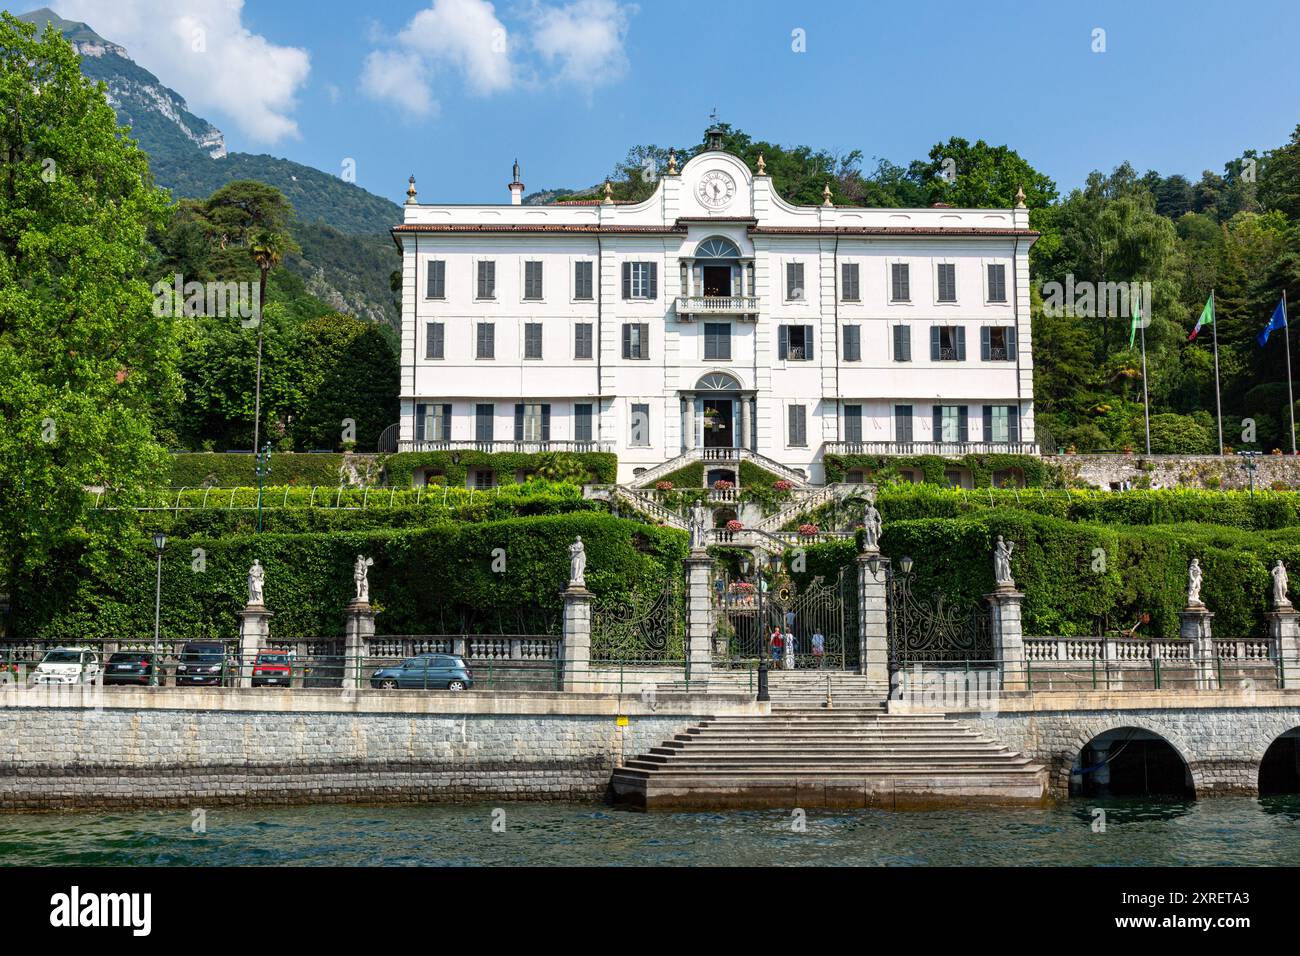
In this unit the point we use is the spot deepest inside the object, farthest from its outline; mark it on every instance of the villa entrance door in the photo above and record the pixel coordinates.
(719, 423)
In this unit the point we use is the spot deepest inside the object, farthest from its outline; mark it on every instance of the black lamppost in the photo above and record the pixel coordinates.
(1250, 464)
(159, 545)
(263, 469)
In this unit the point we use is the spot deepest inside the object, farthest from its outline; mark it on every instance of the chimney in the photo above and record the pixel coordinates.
(516, 188)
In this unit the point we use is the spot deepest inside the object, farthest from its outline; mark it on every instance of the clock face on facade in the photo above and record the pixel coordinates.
(716, 189)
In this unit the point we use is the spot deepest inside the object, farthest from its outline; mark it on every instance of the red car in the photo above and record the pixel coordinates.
(272, 669)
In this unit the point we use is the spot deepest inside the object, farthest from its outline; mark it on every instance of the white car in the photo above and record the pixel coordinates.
(67, 665)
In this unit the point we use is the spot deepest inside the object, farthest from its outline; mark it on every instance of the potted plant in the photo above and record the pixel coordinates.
(734, 525)
(783, 484)
(664, 485)
(723, 485)
(808, 530)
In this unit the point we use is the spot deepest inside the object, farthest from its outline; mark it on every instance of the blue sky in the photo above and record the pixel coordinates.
(417, 87)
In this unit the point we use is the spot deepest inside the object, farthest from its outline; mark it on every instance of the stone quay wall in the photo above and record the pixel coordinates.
(195, 748)
(1177, 471)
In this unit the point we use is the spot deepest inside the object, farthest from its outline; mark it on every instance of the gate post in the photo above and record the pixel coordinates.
(1008, 636)
(1194, 626)
(699, 615)
(1284, 629)
(873, 627)
(576, 650)
(358, 632)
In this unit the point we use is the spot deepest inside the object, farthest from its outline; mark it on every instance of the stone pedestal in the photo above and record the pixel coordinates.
(358, 631)
(1284, 630)
(699, 615)
(1008, 636)
(254, 635)
(873, 621)
(576, 649)
(1194, 626)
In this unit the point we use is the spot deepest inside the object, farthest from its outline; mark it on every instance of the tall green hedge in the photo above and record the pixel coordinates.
(399, 469)
(884, 468)
(423, 580)
(228, 470)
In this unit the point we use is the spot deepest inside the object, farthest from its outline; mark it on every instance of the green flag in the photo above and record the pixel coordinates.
(1137, 319)
(1207, 317)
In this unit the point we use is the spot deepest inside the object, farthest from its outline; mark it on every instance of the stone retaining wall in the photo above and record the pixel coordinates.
(1177, 471)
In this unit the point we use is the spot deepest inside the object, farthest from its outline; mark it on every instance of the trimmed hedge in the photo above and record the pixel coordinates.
(422, 582)
(884, 468)
(399, 469)
(229, 470)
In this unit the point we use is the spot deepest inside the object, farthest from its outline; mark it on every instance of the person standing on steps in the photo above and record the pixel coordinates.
(789, 651)
(776, 647)
(818, 648)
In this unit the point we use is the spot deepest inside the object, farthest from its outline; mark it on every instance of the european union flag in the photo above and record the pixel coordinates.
(1277, 322)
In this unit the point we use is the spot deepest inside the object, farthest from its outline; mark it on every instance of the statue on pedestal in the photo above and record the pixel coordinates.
(871, 527)
(256, 582)
(577, 563)
(1002, 564)
(699, 523)
(1280, 600)
(1194, 584)
(361, 578)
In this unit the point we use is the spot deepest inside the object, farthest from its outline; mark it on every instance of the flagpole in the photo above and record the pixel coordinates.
(1286, 341)
(1218, 403)
(1146, 398)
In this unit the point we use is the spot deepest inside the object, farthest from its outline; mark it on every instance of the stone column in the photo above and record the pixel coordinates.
(699, 615)
(1008, 636)
(254, 633)
(743, 440)
(688, 429)
(576, 649)
(1284, 630)
(873, 621)
(1194, 626)
(358, 631)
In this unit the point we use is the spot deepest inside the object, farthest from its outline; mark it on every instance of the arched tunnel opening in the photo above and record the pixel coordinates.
(1279, 771)
(1130, 762)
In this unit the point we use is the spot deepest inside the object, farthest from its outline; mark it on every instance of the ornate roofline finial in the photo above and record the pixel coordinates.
(826, 194)
(762, 166)
(410, 191)
(672, 162)
(609, 193)
(1020, 197)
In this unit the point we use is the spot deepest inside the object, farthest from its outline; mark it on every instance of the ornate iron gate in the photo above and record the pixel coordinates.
(934, 632)
(818, 622)
(641, 627)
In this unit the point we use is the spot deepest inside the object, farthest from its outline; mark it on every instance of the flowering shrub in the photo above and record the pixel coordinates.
(808, 530)
(723, 485)
(742, 586)
(734, 525)
(664, 485)
(783, 484)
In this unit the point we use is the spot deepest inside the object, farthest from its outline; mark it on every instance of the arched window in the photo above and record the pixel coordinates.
(716, 247)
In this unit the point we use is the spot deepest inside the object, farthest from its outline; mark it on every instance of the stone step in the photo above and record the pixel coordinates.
(919, 764)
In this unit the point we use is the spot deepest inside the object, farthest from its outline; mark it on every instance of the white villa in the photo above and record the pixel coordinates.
(714, 315)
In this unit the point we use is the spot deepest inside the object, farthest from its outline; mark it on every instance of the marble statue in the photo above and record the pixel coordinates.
(870, 527)
(361, 577)
(577, 563)
(256, 581)
(1002, 563)
(1280, 599)
(699, 524)
(1194, 584)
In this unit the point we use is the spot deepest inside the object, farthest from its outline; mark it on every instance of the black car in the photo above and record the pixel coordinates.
(201, 662)
(133, 667)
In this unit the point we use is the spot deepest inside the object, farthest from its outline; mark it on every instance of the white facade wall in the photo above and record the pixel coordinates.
(667, 229)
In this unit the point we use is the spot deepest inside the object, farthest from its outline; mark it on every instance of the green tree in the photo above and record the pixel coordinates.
(351, 372)
(267, 250)
(84, 359)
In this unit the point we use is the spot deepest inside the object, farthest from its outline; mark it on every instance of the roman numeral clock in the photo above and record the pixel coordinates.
(716, 189)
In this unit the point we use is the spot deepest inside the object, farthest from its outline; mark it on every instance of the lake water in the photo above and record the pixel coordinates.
(1218, 831)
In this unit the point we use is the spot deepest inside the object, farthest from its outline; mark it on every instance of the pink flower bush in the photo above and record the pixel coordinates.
(722, 485)
(808, 530)
(664, 485)
(783, 484)
(734, 525)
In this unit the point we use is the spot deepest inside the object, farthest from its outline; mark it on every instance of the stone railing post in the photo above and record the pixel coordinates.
(576, 649)
(1284, 634)
(254, 634)
(358, 632)
(699, 615)
(1007, 631)
(873, 621)
(1194, 626)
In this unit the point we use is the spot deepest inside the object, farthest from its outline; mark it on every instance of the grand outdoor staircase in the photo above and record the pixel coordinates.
(809, 757)
(721, 458)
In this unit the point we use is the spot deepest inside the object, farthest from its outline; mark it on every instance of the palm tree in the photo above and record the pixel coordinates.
(266, 249)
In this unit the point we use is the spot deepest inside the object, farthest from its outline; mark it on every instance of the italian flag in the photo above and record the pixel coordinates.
(1207, 317)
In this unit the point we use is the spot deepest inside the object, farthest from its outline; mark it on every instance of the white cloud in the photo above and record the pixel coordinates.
(201, 49)
(580, 43)
(584, 39)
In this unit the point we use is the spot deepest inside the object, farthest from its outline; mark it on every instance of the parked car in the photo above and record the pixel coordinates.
(67, 665)
(133, 667)
(201, 662)
(426, 671)
(272, 669)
